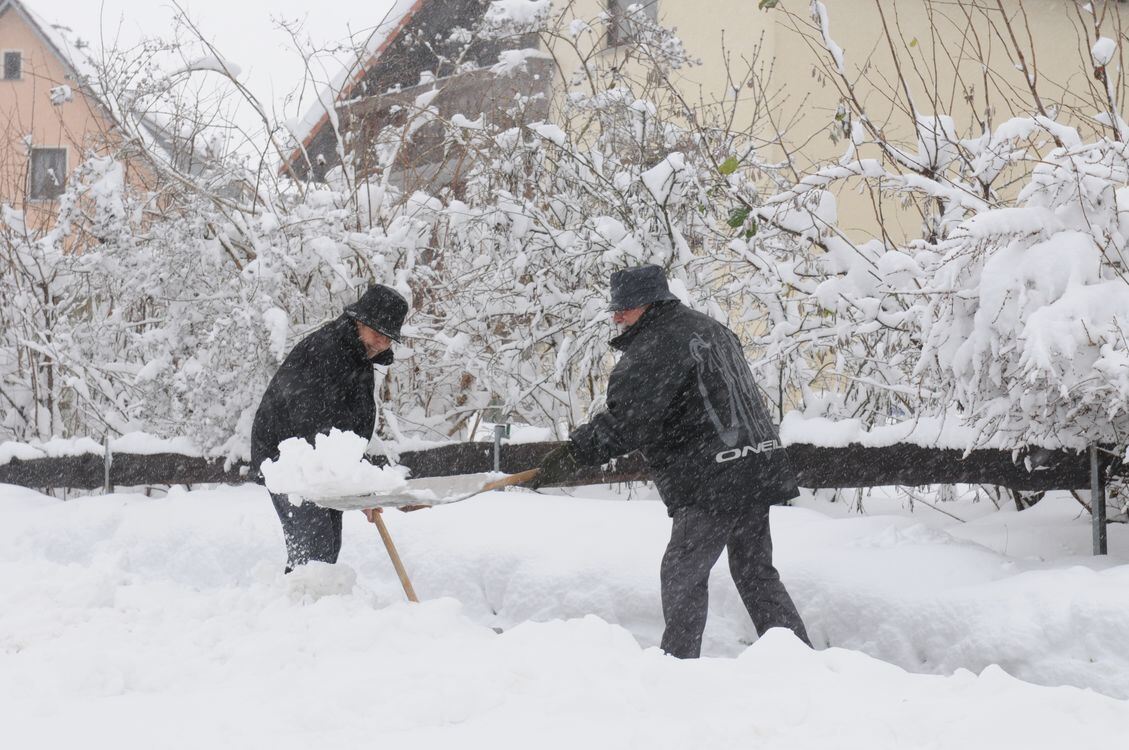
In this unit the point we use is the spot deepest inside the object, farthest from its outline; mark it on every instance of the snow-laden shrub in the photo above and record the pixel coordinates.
(1029, 308)
(173, 320)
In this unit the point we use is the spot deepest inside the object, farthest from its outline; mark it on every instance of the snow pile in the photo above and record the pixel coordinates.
(819, 14)
(519, 433)
(516, 16)
(550, 132)
(334, 466)
(140, 443)
(1103, 51)
(927, 593)
(54, 448)
(462, 121)
(663, 179)
(937, 142)
(317, 580)
(515, 61)
(60, 95)
(812, 219)
(214, 63)
(127, 614)
(947, 432)
(278, 323)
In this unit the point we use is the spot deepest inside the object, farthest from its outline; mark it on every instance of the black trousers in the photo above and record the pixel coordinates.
(311, 532)
(696, 540)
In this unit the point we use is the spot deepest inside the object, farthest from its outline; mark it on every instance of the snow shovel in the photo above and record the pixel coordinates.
(427, 492)
(421, 493)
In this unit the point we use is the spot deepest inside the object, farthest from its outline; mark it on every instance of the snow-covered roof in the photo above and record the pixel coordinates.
(352, 70)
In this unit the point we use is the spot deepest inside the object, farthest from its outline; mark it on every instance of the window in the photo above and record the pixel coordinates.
(13, 66)
(48, 173)
(620, 20)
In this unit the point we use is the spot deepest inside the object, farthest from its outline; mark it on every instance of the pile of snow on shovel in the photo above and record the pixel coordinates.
(333, 466)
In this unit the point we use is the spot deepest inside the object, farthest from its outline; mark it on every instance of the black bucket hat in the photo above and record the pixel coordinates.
(635, 287)
(382, 309)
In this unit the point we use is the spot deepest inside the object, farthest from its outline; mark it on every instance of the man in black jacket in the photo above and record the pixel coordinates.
(326, 381)
(683, 395)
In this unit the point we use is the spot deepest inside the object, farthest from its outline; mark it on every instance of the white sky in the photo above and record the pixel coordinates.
(244, 31)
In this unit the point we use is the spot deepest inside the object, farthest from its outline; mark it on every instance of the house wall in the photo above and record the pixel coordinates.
(723, 35)
(946, 47)
(938, 54)
(27, 116)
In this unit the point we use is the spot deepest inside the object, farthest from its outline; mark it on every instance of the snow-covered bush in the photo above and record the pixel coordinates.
(168, 313)
(1026, 324)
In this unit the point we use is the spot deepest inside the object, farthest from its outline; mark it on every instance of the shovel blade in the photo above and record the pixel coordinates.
(422, 491)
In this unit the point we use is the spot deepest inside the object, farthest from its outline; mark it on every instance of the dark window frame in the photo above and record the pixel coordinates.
(19, 65)
(47, 192)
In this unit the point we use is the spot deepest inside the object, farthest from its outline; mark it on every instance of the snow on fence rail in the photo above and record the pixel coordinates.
(817, 466)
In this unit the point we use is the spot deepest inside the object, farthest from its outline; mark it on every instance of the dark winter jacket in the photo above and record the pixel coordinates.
(682, 394)
(325, 382)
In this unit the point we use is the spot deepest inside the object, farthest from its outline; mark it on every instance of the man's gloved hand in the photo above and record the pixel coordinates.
(556, 467)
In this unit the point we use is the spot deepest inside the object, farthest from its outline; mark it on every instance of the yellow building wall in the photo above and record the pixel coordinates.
(939, 49)
(720, 34)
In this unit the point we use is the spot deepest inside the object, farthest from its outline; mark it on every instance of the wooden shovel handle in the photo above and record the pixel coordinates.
(520, 478)
(394, 556)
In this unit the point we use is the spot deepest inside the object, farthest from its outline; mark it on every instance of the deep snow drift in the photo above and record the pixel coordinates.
(136, 622)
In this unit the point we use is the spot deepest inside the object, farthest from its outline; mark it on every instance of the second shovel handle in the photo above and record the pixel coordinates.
(520, 478)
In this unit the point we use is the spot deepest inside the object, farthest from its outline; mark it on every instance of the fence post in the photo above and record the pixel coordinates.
(1097, 503)
(107, 462)
(499, 433)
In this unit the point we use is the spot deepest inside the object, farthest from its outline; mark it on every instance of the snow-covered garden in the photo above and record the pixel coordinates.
(133, 622)
(154, 310)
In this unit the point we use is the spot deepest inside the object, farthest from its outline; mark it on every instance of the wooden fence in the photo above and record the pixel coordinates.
(816, 466)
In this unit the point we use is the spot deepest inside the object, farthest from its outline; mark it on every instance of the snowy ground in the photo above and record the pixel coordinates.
(130, 622)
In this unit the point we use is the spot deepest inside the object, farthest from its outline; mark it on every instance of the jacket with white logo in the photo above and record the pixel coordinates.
(683, 395)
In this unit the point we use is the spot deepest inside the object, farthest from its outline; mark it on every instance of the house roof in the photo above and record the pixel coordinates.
(352, 72)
